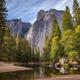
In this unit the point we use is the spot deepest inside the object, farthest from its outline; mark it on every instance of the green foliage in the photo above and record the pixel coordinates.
(52, 45)
(56, 34)
(2, 23)
(23, 51)
(17, 49)
(66, 20)
(72, 56)
(76, 12)
(77, 29)
(66, 43)
(75, 6)
(55, 27)
(78, 17)
(57, 49)
(47, 48)
(68, 40)
(77, 41)
(9, 45)
(36, 56)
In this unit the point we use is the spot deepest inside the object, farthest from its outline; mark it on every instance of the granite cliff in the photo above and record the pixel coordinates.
(17, 26)
(42, 27)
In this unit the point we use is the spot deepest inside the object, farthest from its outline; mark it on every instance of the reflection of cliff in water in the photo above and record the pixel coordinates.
(36, 73)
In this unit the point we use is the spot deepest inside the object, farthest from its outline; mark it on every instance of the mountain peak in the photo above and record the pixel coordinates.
(17, 26)
(42, 27)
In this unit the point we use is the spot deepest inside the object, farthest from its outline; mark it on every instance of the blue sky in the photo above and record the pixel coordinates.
(27, 9)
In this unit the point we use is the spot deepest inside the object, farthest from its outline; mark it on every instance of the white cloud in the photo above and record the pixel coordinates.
(27, 9)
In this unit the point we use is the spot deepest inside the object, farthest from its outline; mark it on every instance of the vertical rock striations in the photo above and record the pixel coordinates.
(17, 26)
(42, 27)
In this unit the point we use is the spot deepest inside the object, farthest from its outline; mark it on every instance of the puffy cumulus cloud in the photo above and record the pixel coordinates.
(27, 9)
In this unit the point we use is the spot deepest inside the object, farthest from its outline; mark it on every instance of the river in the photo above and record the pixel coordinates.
(36, 73)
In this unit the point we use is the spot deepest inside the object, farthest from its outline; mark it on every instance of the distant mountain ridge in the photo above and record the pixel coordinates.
(42, 27)
(17, 26)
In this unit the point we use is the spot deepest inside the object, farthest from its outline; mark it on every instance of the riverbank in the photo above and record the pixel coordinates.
(63, 77)
(6, 67)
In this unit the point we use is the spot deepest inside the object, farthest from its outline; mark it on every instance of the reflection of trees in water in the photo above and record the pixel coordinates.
(21, 75)
(37, 72)
(41, 72)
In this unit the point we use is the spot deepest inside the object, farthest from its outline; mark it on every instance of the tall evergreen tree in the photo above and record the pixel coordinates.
(66, 19)
(77, 45)
(76, 13)
(47, 48)
(55, 31)
(55, 27)
(2, 20)
(7, 51)
(78, 17)
(75, 6)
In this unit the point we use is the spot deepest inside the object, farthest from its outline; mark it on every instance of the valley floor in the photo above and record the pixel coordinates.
(6, 67)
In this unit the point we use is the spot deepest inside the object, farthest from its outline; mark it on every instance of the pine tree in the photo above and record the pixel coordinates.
(75, 6)
(55, 31)
(56, 34)
(2, 22)
(55, 27)
(6, 48)
(77, 45)
(2, 19)
(66, 19)
(47, 48)
(78, 17)
(76, 13)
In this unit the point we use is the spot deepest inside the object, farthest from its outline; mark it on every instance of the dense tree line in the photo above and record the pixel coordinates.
(66, 43)
(14, 48)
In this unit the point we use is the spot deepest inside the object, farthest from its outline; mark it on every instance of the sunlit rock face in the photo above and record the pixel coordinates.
(17, 26)
(42, 27)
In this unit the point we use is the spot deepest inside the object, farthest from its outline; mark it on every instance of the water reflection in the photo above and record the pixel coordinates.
(37, 72)
(16, 76)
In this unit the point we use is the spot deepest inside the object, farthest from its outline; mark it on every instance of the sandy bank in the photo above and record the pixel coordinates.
(5, 67)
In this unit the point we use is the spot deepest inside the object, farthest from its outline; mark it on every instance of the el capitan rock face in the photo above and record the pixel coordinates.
(17, 26)
(42, 27)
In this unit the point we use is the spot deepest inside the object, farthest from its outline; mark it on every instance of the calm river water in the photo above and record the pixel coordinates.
(36, 73)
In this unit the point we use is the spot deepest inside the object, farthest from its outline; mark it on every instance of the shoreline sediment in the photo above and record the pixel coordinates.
(5, 67)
